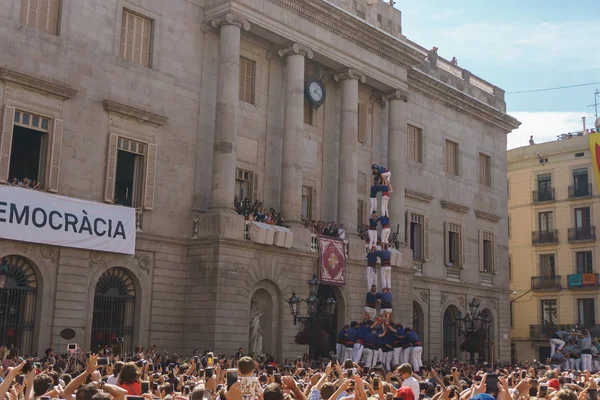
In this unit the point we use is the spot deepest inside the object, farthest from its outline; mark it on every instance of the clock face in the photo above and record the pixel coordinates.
(315, 91)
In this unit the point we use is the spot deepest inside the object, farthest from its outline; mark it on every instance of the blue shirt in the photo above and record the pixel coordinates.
(412, 337)
(389, 338)
(341, 336)
(386, 300)
(383, 188)
(401, 335)
(371, 259)
(371, 299)
(379, 340)
(381, 170)
(384, 220)
(385, 257)
(363, 331)
(374, 190)
(373, 223)
(371, 340)
(352, 334)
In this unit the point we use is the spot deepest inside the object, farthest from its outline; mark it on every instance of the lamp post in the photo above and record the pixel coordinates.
(312, 301)
(471, 326)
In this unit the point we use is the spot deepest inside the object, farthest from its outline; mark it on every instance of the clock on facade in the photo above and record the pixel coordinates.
(314, 90)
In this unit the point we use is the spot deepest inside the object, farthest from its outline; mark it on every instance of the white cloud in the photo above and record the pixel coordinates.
(545, 125)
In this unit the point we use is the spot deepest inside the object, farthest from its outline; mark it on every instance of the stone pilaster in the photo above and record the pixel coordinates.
(224, 149)
(293, 125)
(397, 158)
(347, 174)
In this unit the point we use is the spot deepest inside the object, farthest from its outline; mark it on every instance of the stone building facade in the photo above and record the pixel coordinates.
(174, 107)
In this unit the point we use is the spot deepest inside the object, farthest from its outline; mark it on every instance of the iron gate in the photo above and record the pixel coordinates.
(18, 295)
(450, 333)
(114, 311)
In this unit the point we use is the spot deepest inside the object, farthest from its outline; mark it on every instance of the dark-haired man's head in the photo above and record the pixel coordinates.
(86, 392)
(246, 366)
(42, 384)
(273, 392)
(102, 396)
(327, 390)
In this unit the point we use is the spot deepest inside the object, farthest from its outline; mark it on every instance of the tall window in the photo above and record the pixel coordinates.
(488, 252)
(544, 187)
(415, 144)
(547, 266)
(586, 312)
(29, 148)
(453, 245)
(307, 202)
(450, 332)
(308, 112)
(360, 212)
(129, 179)
(41, 14)
(247, 76)
(549, 312)
(452, 164)
(584, 262)
(243, 184)
(545, 221)
(362, 123)
(136, 38)
(580, 182)
(582, 220)
(417, 237)
(485, 170)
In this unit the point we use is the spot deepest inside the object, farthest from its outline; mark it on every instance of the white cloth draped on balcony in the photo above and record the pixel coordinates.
(271, 234)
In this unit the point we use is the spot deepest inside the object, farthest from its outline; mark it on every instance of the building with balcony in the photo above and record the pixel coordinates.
(170, 109)
(553, 195)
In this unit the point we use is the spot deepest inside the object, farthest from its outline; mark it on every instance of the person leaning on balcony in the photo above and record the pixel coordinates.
(559, 338)
(585, 344)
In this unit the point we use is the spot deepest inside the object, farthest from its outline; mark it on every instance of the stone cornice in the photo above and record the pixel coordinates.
(52, 87)
(350, 73)
(485, 215)
(352, 27)
(414, 195)
(296, 48)
(454, 206)
(460, 101)
(136, 113)
(397, 95)
(228, 18)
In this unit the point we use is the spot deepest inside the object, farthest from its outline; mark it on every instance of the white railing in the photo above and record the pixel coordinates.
(478, 83)
(418, 268)
(314, 243)
(486, 279)
(446, 66)
(453, 274)
(138, 219)
(347, 248)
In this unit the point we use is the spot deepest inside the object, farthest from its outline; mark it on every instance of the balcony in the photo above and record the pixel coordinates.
(543, 196)
(583, 281)
(545, 283)
(545, 332)
(544, 237)
(418, 268)
(453, 274)
(576, 192)
(486, 279)
(582, 234)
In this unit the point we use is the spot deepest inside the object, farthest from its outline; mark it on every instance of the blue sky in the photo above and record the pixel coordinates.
(521, 45)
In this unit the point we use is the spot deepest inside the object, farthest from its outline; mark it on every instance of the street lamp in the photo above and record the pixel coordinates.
(470, 325)
(312, 302)
(294, 303)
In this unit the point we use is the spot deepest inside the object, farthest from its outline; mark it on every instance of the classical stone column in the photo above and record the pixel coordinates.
(397, 158)
(293, 126)
(224, 148)
(347, 175)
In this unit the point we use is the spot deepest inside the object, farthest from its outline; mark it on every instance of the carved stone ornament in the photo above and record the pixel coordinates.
(424, 296)
(96, 257)
(378, 98)
(48, 251)
(443, 298)
(459, 208)
(397, 95)
(144, 262)
(462, 301)
(494, 304)
(350, 73)
(62, 90)
(226, 19)
(296, 48)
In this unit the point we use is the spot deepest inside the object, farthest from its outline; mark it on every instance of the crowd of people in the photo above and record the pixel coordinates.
(257, 212)
(148, 375)
(26, 183)
(331, 229)
(576, 350)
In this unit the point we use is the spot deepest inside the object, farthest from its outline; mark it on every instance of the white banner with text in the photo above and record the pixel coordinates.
(39, 217)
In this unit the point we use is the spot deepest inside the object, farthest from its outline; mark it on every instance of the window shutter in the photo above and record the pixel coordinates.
(495, 267)
(447, 243)
(362, 123)
(480, 250)
(254, 186)
(55, 154)
(111, 169)
(6, 142)
(426, 238)
(313, 201)
(411, 145)
(461, 256)
(407, 229)
(150, 177)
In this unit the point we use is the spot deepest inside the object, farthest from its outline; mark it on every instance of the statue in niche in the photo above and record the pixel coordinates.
(256, 337)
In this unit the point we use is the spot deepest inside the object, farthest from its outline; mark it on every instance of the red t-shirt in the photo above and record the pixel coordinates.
(133, 389)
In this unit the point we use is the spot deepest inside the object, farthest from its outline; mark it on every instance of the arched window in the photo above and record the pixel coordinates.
(18, 294)
(450, 333)
(114, 311)
(418, 320)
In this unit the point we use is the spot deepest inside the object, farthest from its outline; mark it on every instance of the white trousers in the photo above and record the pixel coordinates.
(371, 277)
(373, 202)
(417, 363)
(574, 363)
(348, 354)
(586, 362)
(368, 357)
(357, 352)
(385, 200)
(406, 355)
(387, 175)
(372, 238)
(397, 356)
(387, 359)
(596, 364)
(553, 343)
(340, 349)
(371, 312)
(385, 235)
(386, 277)
(377, 357)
